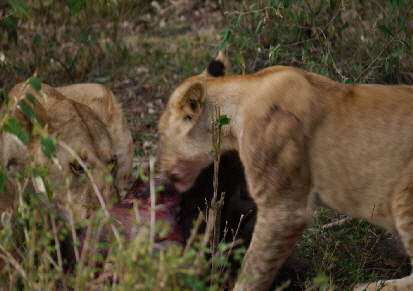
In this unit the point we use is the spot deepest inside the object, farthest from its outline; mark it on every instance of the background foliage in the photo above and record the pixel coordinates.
(143, 49)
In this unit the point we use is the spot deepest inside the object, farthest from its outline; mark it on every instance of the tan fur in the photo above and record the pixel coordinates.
(104, 103)
(303, 139)
(87, 118)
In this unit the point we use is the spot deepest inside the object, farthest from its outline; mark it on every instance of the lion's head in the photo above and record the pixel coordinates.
(186, 128)
(79, 175)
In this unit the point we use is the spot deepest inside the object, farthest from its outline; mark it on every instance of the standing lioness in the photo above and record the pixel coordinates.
(303, 139)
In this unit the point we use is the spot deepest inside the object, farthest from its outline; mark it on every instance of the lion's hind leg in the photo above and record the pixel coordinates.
(402, 210)
(404, 284)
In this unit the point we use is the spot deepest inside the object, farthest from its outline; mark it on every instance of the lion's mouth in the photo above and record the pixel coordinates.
(167, 208)
(182, 183)
(184, 174)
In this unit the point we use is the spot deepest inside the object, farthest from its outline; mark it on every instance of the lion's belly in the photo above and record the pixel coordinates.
(358, 165)
(368, 208)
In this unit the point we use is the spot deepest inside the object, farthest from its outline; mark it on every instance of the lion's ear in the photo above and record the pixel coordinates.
(192, 101)
(217, 67)
(26, 106)
(28, 110)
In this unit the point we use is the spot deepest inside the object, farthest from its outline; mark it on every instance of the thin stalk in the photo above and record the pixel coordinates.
(214, 217)
(153, 202)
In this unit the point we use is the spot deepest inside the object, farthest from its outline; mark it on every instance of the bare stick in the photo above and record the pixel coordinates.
(153, 201)
(214, 217)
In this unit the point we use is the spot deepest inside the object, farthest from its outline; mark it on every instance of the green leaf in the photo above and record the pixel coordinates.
(223, 120)
(405, 44)
(385, 30)
(21, 67)
(295, 17)
(28, 111)
(48, 146)
(252, 6)
(239, 57)
(10, 22)
(37, 39)
(273, 58)
(32, 193)
(397, 51)
(395, 61)
(400, 21)
(159, 188)
(112, 5)
(10, 26)
(274, 3)
(20, 7)
(76, 5)
(31, 98)
(35, 83)
(394, 4)
(224, 42)
(260, 26)
(3, 179)
(4, 97)
(286, 3)
(312, 64)
(239, 18)
(386, 66)
(12, 126)
(333, 4)
(40, 171)
(109, 179)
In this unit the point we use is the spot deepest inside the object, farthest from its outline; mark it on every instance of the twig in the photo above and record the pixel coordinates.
(72, 79)
(317, 30)
(336, 223)
(10, 259)
(194, 233)
(57, 242)
(331, 57)
(250, 12)
(214, 217)
(234, 242)
(153, 201)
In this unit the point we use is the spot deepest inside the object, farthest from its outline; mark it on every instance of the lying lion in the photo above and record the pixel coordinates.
(303, 139)
(91, 133)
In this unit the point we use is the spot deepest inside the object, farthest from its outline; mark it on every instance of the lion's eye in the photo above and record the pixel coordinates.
(188, 117)
(77, 168)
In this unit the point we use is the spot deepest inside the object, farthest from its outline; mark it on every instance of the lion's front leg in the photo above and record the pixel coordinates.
(276, 231)
(276, 159)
